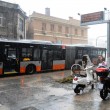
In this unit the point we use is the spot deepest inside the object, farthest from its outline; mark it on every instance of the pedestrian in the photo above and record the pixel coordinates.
(101, 61)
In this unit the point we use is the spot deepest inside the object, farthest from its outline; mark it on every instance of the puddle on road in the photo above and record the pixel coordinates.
(54, 92)
(60, 75)
(29, 108)
(89, 95)
(58, 91)
(2, 107)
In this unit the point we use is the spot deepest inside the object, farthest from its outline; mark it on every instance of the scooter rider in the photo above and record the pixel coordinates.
(81, 82)
(88, 66)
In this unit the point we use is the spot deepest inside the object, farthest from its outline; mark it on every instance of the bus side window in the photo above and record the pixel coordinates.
(63, 54)
(26, 54)
(36, 54)
(1, 57)
(58, 55)
(79, 54)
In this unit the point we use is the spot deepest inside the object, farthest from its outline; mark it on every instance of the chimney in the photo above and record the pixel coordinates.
(47, 11)
(70, 18)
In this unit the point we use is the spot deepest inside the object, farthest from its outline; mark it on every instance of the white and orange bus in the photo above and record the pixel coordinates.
(29, 56)
(74, 54)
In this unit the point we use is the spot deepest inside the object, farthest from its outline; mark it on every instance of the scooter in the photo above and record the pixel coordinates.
(104, 85)
(80, 82)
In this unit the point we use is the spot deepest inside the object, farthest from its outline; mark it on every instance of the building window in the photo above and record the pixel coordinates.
(43, 26)
(59, 42)
(76, 32)
(59, 28)
(66, 30)
(1, 19)
(20, 24)
(52, 27)
(82, 32)
(21, 37)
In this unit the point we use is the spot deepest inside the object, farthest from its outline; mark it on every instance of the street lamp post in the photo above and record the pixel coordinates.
(108, 43)
(108, 36)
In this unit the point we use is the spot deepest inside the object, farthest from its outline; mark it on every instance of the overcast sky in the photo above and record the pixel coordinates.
(65, 8)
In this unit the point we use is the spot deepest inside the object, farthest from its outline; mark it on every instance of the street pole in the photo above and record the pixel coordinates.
(108, 43)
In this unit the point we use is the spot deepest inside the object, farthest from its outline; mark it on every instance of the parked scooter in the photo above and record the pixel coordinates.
(80, 82)
(104, 85)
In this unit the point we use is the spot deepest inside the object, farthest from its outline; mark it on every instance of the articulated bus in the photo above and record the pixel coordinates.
(29, 56)
(74, 54)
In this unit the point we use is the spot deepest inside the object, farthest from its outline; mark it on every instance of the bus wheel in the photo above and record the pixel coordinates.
(30, 69)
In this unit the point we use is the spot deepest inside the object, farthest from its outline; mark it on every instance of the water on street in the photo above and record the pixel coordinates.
(42, 92)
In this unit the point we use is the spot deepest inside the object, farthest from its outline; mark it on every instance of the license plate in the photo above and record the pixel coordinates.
(100, 86)
(74, 86)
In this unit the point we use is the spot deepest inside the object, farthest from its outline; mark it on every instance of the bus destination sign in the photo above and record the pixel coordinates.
(92, 18)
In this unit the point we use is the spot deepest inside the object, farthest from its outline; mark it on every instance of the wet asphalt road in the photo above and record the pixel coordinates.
(42, 92)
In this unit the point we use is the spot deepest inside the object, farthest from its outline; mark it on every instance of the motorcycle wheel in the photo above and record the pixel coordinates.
(77, 90)
(92, 86)
(104, 94)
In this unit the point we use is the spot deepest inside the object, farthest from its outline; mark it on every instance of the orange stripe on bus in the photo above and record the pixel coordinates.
(38, 68)
(58, 66)
(22, 69)
(1, 71)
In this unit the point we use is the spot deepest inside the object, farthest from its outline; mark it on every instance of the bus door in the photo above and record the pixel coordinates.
(47, 60)
(1, 60)
(10, 59)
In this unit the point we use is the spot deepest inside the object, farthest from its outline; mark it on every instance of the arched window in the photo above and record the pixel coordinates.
(1, 19)
(21, 37)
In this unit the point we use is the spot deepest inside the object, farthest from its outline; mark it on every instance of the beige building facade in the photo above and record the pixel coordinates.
(61, 31)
